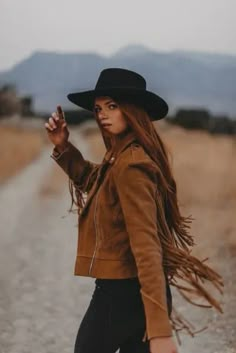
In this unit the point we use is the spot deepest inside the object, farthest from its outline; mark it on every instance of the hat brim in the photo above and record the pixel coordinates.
(155, 106)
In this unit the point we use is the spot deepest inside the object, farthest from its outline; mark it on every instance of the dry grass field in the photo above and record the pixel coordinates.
(18, 148)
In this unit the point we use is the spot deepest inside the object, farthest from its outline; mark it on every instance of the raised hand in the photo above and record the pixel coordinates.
(57, 130)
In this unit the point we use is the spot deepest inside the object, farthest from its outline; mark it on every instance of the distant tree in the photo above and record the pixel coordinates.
(222, 125)
(203, 120)
(9, 102)
(26, 106)
(192, 118)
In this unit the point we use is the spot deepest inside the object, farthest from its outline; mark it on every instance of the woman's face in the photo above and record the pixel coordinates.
(109, 115)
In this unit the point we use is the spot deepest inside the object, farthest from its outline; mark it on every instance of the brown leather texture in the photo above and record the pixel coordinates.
(117, 233)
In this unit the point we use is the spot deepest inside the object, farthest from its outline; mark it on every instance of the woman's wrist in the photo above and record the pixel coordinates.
(61, 147)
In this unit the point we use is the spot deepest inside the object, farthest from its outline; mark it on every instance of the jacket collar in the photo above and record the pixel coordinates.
(120, 145)
(109, 159)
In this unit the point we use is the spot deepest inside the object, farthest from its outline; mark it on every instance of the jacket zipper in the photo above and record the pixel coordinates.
(95, 225)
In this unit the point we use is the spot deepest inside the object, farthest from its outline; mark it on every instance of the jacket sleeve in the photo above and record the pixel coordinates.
(136, 189)
(75, 166)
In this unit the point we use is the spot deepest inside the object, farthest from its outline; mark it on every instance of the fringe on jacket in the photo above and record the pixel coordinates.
(178, 263)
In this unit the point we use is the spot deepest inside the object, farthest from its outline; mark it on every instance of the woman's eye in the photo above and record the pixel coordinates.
(96, 109)
(112, 106)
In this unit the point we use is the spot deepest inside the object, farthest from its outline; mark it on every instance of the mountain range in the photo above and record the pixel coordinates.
(184, 79)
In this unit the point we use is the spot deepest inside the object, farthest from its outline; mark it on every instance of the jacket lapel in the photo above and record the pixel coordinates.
(108, 160)
(101, 172)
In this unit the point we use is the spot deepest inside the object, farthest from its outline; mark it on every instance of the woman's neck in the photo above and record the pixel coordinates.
(116, 139)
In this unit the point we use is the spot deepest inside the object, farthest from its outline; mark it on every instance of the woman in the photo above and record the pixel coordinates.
(132, 237)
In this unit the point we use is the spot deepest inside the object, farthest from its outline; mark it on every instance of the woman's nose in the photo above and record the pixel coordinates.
(102, 116)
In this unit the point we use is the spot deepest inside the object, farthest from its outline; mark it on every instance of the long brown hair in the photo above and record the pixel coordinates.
(173, 227)
(146, 134)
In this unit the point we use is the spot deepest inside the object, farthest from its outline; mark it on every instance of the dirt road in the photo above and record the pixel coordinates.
(41, 302)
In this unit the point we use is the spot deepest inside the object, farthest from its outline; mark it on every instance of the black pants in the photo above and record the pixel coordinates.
(115, 318)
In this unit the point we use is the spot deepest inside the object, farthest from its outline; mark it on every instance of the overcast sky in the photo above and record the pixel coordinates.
(104, 26)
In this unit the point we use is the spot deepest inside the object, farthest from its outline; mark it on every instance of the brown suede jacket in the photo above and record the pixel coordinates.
(118, 235)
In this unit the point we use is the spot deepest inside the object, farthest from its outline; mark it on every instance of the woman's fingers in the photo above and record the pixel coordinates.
(56, 119)
(52, 122)
(51, 125)
(60, 112)
(48, 127)
(55, 116)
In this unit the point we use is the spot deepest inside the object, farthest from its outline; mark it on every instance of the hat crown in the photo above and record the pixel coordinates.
(122, 85)
(115, 77)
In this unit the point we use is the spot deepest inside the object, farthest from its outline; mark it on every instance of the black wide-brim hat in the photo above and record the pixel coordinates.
(124, 85)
